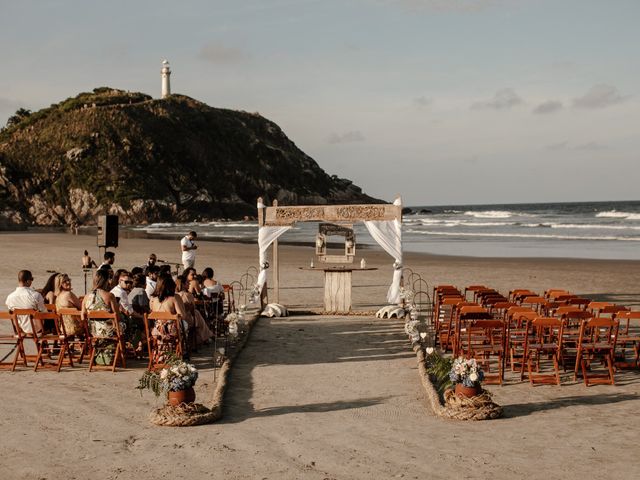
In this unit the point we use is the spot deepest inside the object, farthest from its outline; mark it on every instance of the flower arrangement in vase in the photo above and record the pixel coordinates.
(176, 380)
(467, 376)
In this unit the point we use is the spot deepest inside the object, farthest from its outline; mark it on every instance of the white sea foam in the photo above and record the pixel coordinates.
(525, 235)
(490, 214)
(616, 214)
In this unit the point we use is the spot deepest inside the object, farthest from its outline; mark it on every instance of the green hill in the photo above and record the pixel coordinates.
(147, 160)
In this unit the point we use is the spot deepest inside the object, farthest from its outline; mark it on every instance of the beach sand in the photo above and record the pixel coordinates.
(313, 396)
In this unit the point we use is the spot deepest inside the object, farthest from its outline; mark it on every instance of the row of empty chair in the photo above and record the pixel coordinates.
(536, 334)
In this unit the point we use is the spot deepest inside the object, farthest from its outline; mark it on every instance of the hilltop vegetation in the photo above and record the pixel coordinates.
(176, 159)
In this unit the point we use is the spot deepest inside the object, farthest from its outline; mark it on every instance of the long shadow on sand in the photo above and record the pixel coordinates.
(304, 341)
(523, 409)
(239, 413)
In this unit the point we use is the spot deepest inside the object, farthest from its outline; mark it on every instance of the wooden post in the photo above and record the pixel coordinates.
(276, 267)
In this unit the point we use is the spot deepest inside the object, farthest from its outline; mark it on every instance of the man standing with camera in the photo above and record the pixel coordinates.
(189, 248)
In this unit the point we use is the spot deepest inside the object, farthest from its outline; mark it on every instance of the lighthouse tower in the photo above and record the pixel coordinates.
(166, 83)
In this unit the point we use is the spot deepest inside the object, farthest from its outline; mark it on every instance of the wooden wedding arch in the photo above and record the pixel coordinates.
(283, 216)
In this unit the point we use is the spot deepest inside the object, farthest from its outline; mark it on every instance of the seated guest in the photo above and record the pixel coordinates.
(150, 263)
(101, 299)
(135, 271)
(115, 278)
(190, 276)
(109, 259)
(152, 278)
(25, 297)
(133, 319)
(164, 270)
(209, 284)
(65, 298)
(138, 296)
(193, 317)
(87, 261)
(48, 291)
(164, 299)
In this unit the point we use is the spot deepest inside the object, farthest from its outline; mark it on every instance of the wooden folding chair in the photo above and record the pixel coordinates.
(79, 343)
(10, 337)
(517, 325)
(28, 316)
(99, 322)
(597, 341)
(628, 340)
(229, 299)
(484, 340)
(47, 343)
(168, 339)
(466, 315)
(544, 341)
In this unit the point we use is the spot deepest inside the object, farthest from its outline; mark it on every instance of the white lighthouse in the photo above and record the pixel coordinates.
(166, 83)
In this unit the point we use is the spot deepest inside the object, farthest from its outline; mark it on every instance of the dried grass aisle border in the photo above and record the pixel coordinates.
(187, 415)
(480, 407)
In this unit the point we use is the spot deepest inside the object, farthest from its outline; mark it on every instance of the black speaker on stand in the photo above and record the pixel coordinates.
(107, 231)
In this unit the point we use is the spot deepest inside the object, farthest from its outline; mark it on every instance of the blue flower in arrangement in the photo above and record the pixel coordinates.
(466, 371)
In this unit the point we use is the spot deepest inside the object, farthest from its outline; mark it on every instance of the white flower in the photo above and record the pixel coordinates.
(429, 350)
(164, 373)
(473, 377)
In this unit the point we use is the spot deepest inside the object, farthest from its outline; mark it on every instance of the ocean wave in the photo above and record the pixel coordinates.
(253, 225)
(526, 235)
(489, 214)
(616, 214)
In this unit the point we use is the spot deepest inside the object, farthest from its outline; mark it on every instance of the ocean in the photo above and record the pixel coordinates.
(596, 230)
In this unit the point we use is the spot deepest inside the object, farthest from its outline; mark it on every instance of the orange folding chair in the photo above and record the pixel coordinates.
(106, 341)
(10, 337)
(628, 340)
(164, 337)
(597, 341)
(544, 342)
(47, 342)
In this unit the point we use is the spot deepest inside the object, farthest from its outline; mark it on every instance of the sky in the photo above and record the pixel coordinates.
(445, 102)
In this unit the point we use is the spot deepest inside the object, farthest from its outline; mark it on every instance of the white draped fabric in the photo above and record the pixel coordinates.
(389, 235)
(266, 236)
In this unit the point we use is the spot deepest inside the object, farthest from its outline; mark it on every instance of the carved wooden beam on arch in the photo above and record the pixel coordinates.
(282, 215)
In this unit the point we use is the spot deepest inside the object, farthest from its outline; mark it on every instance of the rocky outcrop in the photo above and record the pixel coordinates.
(175, 159)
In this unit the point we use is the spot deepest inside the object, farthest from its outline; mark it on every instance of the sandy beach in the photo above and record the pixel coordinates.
(313, 396)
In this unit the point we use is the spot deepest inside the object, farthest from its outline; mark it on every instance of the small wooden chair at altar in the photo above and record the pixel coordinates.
(79, 342)
(11, 337)
(544, 342)
(597, 341)
(164, 338)
(49, 341)
(106, 341)
(628, 341)
(229, 299)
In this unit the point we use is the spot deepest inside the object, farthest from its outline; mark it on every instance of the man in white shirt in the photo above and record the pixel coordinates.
(26, 297)
(189, 249)
(121, 292)
(152, 279)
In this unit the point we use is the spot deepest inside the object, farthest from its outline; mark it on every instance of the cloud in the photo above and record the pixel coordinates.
(422, 102)
(502, 100)
(221, 54)
(554, 147)
(449, 5)
(585, 147)
(592, 147)
(600, 96)
(550, 106)
(347, 137)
